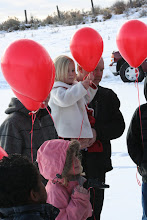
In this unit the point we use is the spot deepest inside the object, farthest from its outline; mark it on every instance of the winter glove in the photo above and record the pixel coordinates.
(81, 189)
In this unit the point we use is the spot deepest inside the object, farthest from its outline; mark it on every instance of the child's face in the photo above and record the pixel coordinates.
(71, 75)
(76, 166)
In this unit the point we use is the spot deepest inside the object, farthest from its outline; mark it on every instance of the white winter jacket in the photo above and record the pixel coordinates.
(67, 103)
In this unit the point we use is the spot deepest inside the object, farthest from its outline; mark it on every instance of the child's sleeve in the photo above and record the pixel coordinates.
(66, 97)
(91, 93)
(78, 207)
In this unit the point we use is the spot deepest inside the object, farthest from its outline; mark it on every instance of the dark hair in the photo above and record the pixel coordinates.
(18, 176)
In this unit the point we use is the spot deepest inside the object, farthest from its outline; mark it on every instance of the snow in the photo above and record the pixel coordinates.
(123, 199)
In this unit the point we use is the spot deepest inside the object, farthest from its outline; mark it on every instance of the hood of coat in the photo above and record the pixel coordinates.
(145, 88)
(51, 157)
(16, 106)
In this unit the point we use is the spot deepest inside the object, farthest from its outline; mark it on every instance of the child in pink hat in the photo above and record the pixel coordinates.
(59, 162)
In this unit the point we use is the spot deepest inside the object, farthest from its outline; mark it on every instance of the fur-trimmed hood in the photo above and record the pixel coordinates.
(55, 157)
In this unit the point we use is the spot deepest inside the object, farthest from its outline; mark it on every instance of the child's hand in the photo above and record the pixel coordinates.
(90, 76)
(86, 83)
(81, 189)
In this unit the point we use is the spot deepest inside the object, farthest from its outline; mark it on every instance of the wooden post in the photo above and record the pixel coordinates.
(131, 3)
(92, 6)
(26, 16)
(139, 3)
(58, 12)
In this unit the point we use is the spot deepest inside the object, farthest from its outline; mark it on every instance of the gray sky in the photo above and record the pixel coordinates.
(42, 8)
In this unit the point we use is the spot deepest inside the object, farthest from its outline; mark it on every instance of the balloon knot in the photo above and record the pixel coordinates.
(33, 112)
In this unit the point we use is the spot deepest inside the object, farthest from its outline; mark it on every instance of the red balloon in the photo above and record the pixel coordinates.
(2, 153)
(28, 69)
(132, 42)
(87, 47)
(29, 103)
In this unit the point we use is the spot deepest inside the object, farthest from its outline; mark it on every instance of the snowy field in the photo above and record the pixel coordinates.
(123, 199)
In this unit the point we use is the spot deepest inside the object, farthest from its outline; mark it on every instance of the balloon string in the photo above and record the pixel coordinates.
(84, 109)
(83, 80)
(82, 124)
(136, 85)
(85, 77)
(50, 115)
(31, 146)
(138, 181)
(31, 132)
(86, 106)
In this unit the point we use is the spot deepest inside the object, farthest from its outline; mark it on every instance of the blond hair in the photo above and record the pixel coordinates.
(61, 65)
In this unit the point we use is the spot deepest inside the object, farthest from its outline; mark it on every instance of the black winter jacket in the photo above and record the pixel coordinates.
(29, 212)
(15, 134)
(137, 141)
(137, 137)
(134, 137)
(109, 122)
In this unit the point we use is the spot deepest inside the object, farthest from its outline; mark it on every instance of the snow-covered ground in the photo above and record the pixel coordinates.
(123, 199)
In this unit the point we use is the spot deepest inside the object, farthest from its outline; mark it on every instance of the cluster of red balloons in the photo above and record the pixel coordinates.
(132, 42)
(30, 71)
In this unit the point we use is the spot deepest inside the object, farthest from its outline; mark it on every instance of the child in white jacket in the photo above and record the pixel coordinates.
(69, 99)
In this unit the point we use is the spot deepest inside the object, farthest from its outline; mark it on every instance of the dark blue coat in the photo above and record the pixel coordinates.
(29, 212)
